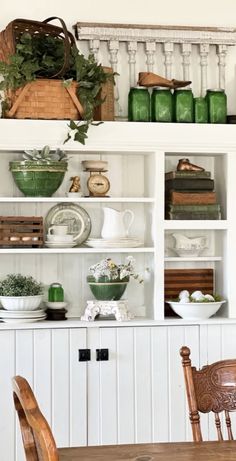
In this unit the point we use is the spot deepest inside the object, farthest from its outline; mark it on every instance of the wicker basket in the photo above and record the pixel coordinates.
(48, 98)
(45, 99)
(21, 231)
(10, 36)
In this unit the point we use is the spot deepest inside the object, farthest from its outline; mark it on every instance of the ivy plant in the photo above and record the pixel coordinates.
(43, 56)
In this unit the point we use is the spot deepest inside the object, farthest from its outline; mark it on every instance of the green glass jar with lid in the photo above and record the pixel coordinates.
(55, 292)
(162, 107)
(183, 105)
(217, 105)
(139, 104)
(200, 110)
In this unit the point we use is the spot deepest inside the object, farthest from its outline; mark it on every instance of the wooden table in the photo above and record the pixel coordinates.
(181, 451)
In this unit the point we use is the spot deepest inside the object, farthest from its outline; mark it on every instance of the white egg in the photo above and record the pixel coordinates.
(184, 294)
(196, 294)
(209, 297)
(198, 298)
(184, 300)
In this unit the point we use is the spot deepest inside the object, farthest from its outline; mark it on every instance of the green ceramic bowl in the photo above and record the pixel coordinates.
(107, 290)
(38, 179)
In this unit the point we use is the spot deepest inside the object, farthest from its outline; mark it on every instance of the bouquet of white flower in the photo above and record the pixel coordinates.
(112, 271)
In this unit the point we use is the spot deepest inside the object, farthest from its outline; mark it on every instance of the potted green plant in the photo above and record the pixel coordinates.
(40, 57)
(40, 173)
(19, 292)
(108, 280)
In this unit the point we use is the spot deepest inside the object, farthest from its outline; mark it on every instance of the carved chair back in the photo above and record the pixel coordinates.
(38, 440)
(210, 389)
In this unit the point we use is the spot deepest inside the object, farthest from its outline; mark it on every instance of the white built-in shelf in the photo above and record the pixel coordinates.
(138, 155)
(196, 258)
(77, 200)
(195, 224)
(74, 250)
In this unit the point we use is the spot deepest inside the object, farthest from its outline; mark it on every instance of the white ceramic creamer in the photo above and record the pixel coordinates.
(116, 225)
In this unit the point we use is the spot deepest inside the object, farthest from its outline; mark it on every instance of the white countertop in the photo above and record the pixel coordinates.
(75, 322)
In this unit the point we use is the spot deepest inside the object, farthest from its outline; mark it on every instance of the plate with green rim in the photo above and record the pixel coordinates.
(74, 216)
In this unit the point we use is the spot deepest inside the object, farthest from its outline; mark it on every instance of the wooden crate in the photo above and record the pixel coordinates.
(21, 231)
(186, 279)
(106, 110)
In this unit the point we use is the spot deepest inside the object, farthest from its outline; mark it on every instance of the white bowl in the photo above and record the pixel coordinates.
(96, 165)
(21, 303)
(195, 311)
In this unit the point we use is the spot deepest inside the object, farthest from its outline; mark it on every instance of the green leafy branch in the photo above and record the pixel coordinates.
(80, 130)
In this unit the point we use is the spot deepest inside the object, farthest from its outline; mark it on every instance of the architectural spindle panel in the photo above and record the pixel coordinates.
(150, 48)
(222, 52)
(94, 46)
(204, 52)
(113, 46)
(168, 53)
(186, 50)
(132, 50)
(200, 54)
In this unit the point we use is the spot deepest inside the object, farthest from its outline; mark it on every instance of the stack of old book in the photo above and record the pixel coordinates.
(190, 195)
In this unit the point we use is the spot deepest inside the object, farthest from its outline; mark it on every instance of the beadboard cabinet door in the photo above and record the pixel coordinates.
(138, 395)
(48, 359)
(135, 396)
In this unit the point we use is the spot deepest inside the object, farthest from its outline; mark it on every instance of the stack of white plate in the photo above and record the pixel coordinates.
(22, 316)
(59, 244)
(126, 242)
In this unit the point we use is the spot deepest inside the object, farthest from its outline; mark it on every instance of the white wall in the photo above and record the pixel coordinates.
(185, 12)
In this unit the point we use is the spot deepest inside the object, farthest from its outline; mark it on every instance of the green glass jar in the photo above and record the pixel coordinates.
(139, 105)
(55, 293)
(183, 104)
(200, 110)
(161, 105)
(217, 105)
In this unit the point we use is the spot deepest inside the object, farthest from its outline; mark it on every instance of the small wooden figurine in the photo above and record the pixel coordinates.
(75, 186)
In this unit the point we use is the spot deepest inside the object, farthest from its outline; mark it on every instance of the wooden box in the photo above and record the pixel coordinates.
(105, 111)
(186, 279)
(21, 231)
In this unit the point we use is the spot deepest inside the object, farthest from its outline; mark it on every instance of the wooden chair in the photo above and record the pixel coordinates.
(213, 388)
(38, 440)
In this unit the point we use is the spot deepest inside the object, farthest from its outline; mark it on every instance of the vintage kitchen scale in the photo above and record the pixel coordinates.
(98, 184)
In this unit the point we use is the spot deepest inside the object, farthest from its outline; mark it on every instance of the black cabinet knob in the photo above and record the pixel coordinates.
(84, 355)
(102, 354)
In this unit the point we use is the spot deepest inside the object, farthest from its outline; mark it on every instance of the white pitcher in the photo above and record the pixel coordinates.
(114, 225)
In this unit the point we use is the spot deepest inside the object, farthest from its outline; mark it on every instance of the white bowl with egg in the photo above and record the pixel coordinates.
(195, 310)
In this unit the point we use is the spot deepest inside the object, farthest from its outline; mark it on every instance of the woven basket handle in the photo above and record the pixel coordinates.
(68, 42)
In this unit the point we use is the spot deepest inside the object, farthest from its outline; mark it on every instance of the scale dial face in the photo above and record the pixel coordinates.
(98, 185)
